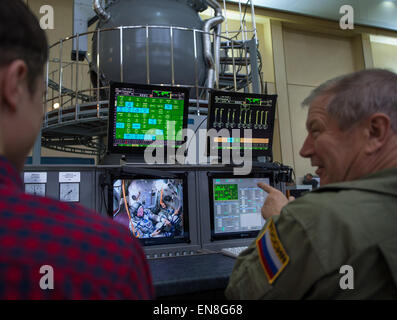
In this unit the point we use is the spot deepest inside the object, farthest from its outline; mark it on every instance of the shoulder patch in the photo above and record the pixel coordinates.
(271, 252)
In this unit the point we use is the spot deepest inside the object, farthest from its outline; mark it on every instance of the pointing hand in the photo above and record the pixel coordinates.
(275, 201)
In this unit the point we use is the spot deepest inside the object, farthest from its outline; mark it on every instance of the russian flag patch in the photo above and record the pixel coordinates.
(271, 252)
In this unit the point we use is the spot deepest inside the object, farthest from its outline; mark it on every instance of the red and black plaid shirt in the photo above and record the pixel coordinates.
(91, 257)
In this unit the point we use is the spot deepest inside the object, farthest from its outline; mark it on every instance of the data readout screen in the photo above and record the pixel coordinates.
(237, 204)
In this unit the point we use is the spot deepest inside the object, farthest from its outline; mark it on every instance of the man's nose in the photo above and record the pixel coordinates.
(307, 149)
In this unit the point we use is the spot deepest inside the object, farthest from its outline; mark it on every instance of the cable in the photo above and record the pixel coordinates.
(103, 183)
(104, 201)
(260, 70)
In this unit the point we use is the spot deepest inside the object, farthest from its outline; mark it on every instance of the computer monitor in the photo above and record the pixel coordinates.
(235, 205)
(242, 111)
(146, 115)
(153, 209)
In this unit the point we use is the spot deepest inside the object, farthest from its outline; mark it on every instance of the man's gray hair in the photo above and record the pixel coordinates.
(358, 95)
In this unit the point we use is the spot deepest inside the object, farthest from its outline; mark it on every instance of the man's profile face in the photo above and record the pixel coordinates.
(333, 151)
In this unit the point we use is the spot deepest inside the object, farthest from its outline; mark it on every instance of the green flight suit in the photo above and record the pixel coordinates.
(351, 223)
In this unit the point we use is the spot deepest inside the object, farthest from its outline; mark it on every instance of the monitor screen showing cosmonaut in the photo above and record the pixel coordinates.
(152, 209)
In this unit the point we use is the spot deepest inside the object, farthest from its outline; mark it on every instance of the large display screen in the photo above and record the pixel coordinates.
(154, 210)
(235, 205)
(231, 111)
(146, 115)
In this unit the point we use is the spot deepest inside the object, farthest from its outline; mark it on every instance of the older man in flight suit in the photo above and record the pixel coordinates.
(339, 241)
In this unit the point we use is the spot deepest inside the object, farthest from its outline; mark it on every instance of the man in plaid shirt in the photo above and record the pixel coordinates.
(49, 249)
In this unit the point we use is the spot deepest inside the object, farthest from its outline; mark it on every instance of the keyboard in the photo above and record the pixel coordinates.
(233, 252)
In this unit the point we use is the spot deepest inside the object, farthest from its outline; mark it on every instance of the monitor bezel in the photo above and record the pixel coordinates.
(232, 235)
(255, 153)
(140, 150)
(161, 240)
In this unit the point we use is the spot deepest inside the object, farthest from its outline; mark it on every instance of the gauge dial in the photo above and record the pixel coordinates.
(69, 192)
(36, 189)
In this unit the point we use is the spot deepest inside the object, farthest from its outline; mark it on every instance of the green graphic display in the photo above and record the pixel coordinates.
(161, 94)
(146, 120)
(225, 192)
(253, 100)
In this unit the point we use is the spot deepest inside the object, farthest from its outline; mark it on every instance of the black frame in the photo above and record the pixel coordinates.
(140, 150)
(255, 153)
(160, 240)
(232, 235)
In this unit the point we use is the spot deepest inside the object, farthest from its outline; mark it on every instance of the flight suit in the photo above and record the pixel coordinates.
(351, 223)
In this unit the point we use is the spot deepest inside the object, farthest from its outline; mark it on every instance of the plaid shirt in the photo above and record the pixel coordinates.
(91, 257)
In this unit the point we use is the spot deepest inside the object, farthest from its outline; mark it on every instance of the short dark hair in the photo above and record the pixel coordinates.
(21, 37)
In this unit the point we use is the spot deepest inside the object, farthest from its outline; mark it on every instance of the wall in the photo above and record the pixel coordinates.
(384, 53)
(310, 60)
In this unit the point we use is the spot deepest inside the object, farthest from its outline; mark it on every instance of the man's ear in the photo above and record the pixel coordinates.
(13, 84)
(378, 127)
